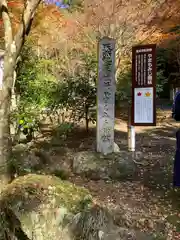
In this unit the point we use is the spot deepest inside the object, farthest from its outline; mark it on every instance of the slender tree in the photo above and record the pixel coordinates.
(13, 44)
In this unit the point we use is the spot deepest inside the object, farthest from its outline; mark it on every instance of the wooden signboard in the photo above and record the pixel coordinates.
(106, 95)
(143, 85)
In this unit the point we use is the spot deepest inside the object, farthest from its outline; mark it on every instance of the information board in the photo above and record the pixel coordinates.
(144, 85)
(106, 95)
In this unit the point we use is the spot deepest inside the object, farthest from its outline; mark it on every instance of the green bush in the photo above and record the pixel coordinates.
(40, 85)
(76, 91)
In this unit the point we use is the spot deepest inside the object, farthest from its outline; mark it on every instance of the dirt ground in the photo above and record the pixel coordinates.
(149, 202)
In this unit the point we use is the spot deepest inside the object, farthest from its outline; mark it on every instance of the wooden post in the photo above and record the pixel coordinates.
(131, 132)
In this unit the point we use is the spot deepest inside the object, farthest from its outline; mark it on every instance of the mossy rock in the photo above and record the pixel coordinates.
(116, 166)
(44, 204)
(41, 189)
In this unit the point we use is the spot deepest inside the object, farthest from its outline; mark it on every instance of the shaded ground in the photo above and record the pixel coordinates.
(149, 202)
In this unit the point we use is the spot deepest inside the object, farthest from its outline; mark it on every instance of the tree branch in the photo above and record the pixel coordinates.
(7, 25)
(8, 38)
(27, 18)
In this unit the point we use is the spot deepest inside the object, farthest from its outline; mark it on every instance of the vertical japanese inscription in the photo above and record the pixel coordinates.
(106, 96)
(149, 71)
(143, 67)
(144, 83)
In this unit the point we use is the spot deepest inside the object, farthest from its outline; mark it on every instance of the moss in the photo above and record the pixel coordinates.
(45, 205)
(29, 191)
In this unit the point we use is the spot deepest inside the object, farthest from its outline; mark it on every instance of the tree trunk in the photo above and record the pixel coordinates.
(5, 136)
(13, 46)
(14, 125)
(5, 96)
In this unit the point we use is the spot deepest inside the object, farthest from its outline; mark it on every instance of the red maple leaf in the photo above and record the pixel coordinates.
(139, 94)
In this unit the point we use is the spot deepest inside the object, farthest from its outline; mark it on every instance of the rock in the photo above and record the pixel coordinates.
(97, 224)
(124, 234)
(33, 161)
(26, 160)
(61, 163)
(20, 161)
(47, 223)
(92, 146)
(97, 166)
(44, 205)
(55, 161)
(89, 165)
(88, 224)
(116, 148)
